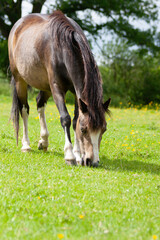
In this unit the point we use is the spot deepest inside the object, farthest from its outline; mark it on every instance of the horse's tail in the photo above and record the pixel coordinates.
(15, 108)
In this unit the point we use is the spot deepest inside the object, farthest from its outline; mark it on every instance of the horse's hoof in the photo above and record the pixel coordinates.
(45, 149)
(41, 147)
(71, 162)
(79, 163)
(25, 149)
(78, 157)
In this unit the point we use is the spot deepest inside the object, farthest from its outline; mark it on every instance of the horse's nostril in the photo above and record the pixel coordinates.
(95, 164)
(88, 162)
(83, 162)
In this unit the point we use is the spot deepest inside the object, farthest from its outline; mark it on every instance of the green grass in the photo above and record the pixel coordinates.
(43, 198)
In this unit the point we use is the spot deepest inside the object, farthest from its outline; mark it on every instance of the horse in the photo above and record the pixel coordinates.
(52, 54)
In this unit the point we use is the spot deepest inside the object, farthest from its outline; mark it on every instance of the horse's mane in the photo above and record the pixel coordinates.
(66, 33)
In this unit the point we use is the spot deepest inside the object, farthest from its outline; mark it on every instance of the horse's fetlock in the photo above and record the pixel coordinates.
(45, 134)
(43, 143)
(68, 147)
(25, 145)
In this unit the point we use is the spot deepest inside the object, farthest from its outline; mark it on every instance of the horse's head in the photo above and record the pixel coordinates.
(90, 134)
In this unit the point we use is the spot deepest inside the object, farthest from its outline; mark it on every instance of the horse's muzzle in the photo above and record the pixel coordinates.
(89, 162)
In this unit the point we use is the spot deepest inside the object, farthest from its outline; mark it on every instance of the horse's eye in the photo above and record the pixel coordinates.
(84, 130)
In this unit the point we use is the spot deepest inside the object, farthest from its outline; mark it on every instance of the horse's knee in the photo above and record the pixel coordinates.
(66, 121)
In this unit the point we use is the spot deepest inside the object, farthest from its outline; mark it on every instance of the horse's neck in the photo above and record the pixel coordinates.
(78, 86)
(76, 75)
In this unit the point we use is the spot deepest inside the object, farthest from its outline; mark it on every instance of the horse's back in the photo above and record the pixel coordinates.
(41, 48)
(24, 27)
(28, 44)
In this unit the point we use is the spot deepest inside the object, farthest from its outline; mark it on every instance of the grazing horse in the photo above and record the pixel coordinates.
(51, 53)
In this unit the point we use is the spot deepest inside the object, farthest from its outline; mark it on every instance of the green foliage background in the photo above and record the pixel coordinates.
(130, 77)
(4, 61)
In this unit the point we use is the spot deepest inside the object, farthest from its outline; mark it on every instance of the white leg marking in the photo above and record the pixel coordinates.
(95, 139)
(76, 150)
(68, 148)
(43, 142)
(25, 139)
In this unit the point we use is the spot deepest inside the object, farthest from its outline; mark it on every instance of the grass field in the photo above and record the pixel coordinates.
(42, 198)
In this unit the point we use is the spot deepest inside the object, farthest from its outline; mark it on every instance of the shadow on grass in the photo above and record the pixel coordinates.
(119, 165)
(132, 166)
(48, 152)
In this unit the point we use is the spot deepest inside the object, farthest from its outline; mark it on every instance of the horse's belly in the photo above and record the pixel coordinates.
(33, 73)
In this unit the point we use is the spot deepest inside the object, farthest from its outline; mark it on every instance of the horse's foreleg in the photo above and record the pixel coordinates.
(58, 96)
(41, 103)
(68, 148)
(76, 149)
(43, 142)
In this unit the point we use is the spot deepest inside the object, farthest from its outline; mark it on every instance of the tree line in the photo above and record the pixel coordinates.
(125, 71)
(129, 76)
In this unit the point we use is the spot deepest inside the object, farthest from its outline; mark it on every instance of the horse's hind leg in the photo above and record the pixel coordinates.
(41, 104)
(21, 88)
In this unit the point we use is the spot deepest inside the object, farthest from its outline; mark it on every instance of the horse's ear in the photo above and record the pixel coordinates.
(106, 104)
(83, 106)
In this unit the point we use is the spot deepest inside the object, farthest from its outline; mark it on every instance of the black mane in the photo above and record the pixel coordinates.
(67, 34)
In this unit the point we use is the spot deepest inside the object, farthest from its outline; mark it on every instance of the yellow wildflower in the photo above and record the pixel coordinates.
(60, 236)
(81, 216)
(154, 237)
